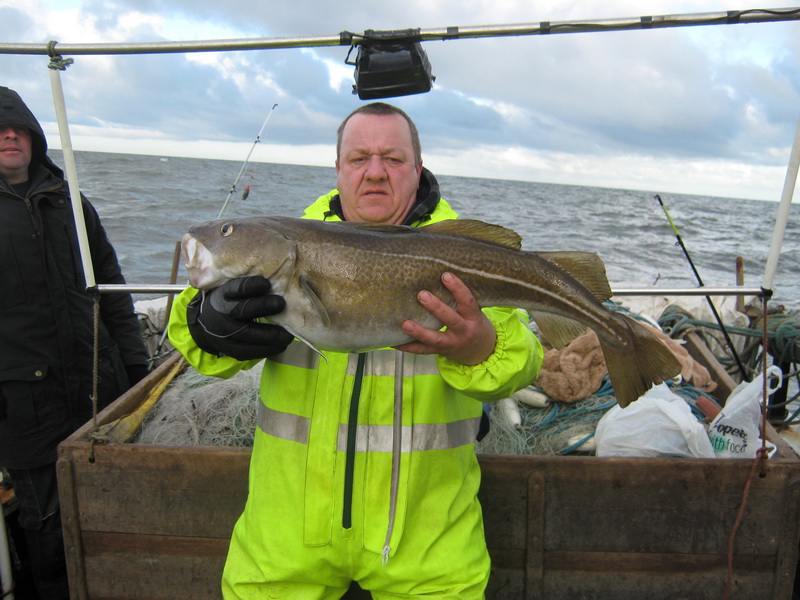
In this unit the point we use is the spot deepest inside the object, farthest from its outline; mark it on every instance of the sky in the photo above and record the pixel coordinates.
(709, 110)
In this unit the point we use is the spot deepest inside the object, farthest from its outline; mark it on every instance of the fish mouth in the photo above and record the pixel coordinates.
(199, 263)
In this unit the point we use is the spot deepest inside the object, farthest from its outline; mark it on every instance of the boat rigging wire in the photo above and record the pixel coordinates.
(713, 308)
(244, 165)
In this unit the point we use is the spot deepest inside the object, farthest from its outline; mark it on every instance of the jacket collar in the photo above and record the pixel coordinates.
(42, 179)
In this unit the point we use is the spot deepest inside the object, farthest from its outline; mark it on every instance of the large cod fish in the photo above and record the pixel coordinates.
(349, 286)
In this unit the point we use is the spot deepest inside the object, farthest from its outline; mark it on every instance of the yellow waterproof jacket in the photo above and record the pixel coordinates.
(322, 456)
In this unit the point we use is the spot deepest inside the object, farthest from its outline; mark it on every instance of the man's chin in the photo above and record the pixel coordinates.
(376, 212)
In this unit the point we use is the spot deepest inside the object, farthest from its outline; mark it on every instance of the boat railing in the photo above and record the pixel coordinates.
(107, 288)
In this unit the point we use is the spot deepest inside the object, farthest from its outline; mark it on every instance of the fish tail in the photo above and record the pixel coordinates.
(638, 365)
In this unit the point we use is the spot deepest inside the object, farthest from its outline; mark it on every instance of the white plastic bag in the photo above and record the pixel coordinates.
(735, 431)
(660, 423)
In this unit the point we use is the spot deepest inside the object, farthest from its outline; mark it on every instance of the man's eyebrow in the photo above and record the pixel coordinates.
(386, 152)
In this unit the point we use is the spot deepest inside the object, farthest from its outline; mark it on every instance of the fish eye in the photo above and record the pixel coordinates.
(226, 229)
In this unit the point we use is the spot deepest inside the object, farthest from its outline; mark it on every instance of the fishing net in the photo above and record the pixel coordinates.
(562, 427)
(558, 428)
(197, 410)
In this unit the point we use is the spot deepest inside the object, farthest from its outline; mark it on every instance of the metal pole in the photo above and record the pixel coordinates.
(177, 288)
(56, 65)
(783, 211)
(6, 572)
(346, 38)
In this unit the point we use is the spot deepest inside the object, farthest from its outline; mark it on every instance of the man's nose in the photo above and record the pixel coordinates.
(7, 131)
(375, 169)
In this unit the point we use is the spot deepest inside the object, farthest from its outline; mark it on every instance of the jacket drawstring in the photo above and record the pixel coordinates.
(397, 444)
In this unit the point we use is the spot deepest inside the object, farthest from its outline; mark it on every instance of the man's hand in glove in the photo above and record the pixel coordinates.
(221, 321)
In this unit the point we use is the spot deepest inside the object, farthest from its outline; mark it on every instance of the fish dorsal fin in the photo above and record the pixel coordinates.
(586, 267)
(557, 330)
(477, 230)
(309, 292)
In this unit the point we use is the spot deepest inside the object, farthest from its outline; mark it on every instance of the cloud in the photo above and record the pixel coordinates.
(682, 107)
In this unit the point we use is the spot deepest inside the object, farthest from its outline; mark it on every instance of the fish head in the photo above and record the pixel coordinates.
(217, 251)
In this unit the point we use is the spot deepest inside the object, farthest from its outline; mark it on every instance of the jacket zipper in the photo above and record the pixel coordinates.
(29, 205)
(350, 457)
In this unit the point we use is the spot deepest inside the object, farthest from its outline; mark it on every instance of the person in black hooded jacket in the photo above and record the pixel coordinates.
(47, 332)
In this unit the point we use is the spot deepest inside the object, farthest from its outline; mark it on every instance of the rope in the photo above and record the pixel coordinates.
(782, 338)
(759, 463)
(783, 330)
(95, 370)
(759, 460)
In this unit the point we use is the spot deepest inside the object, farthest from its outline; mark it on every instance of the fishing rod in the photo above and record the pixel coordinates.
(244, 165)
(708, 298)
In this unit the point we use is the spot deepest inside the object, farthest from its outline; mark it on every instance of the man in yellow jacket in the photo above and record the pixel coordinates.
(331, 499)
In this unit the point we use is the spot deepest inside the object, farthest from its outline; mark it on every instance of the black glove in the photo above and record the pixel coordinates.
(221, 320)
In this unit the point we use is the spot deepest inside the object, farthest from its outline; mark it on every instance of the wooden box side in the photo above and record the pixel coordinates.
(651, 527)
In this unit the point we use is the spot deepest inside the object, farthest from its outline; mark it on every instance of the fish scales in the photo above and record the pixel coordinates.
(349, 286)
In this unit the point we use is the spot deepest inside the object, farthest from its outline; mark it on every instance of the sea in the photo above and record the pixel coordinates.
(146, 204)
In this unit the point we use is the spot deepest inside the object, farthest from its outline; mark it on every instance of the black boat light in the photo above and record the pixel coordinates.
(390, 63)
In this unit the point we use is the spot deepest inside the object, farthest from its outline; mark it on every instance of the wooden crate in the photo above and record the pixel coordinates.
(153, 522)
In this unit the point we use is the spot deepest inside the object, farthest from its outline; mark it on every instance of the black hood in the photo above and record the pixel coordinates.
(13, 111)
(427, 199)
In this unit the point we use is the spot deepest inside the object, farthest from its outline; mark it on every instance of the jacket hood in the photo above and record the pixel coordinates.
(13, 111)
(427, 198)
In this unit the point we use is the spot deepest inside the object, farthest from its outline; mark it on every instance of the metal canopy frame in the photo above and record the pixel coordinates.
(56, 51)
(346, 38)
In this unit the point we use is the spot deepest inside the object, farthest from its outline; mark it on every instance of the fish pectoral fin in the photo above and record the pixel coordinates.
(477, 230)
(557, 330)
(306, 342)
(587, 267)
(312, 297)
